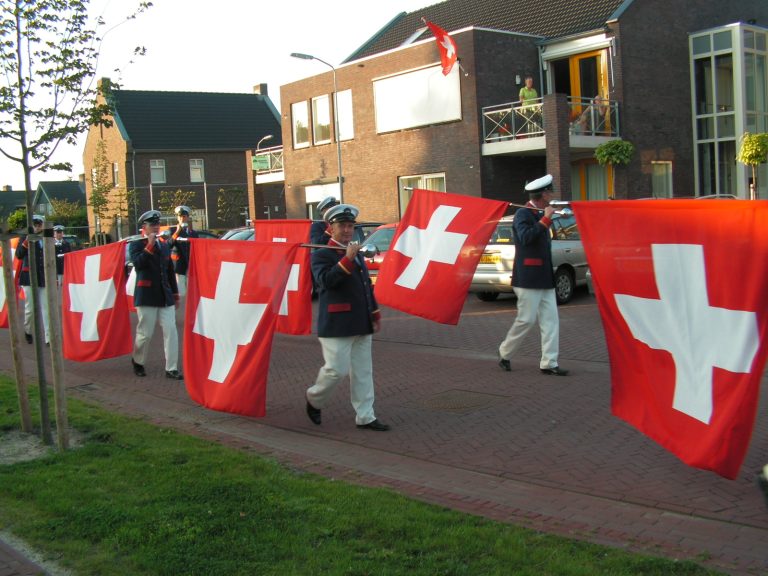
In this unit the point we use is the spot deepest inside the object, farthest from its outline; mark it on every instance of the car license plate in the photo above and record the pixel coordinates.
(490, 259)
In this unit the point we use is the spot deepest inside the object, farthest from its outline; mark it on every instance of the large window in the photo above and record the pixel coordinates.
(157, 171)
(407, 184)
(418, 98)
(321, 120)
(196, 170)
(346, 124)
(300, 123)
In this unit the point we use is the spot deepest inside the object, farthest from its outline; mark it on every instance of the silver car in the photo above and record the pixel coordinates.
(494, 271)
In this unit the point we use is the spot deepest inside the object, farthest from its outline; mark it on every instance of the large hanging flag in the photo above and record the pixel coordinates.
(681, 288)
(446, 45)
(95, 320)
(15, 267)
(296, 307)
(234, 293)
(434, 252)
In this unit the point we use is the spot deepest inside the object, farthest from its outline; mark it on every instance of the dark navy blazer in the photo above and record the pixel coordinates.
(346, 304)
(180, 248)
(22, 253)
(62, 247)
(533, 251)
(155, 279)
(318, 232)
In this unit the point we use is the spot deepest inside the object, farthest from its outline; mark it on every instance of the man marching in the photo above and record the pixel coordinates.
(156, 296)
(180, 236)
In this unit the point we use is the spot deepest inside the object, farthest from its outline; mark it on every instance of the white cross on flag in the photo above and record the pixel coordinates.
(681, 287)
(434, 251)
(446, 46)
(234, 293)
(95, 320)
(296, 307)
(16, 264)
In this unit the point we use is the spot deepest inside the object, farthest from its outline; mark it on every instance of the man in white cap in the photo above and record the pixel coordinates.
(180, 236)
(62, 247)
(533, 280)
(347, 317)
(156, 296)
(22, 253)
(319, 231)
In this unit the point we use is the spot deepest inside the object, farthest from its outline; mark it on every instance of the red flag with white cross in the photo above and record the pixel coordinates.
(681, 289)
(434, 253)
(296, 307)
(234, 292)
(15, 267)
(94, 320)
(446, 46)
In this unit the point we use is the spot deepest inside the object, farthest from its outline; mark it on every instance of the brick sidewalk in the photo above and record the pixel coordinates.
(518, 446)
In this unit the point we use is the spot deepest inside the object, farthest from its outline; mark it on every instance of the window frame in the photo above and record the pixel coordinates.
(296, 106)
(317, 111)
(154, 166)
(197, 168)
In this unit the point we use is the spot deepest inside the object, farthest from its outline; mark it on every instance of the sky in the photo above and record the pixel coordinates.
(193, 47)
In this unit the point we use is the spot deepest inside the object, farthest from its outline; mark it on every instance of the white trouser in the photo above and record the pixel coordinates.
(181, 280)
(145, 328)
(42, 296)
(346, 356)
(534, 305)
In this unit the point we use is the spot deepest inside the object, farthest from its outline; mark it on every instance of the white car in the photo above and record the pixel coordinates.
(494, 271)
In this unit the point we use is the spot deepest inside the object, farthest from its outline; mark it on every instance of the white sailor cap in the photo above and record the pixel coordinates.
(182, 210)
(342, 213)
(539, 185)
(38, 218)
(150, 216)
(58, 228)
(327, 202)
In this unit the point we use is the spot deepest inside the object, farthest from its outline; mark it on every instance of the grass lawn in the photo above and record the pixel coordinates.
(138, 499)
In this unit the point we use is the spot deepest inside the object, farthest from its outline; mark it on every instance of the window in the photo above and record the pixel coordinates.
(346, 124)
(157, 171)
(196, 170)
(321, 120)
(115, 174)
(316, 192)
(407, 184)
(300, 123)
(661, 179)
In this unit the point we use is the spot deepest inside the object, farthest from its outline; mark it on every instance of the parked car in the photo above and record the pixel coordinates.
(378, 243)
(494, 271)
(362, 230)
(74, 241)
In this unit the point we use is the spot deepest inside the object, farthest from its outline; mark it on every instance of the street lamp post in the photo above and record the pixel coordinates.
(258, 145)
(267, 137)
(335, 115)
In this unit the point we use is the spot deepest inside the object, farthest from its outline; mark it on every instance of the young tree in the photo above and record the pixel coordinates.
(169, 200)
(101, 184)
(229, 206)
(753, 150)
(613, 153)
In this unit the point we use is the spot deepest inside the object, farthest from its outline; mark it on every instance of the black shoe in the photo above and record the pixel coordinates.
(138, 369)
(174, 375)
(762, 481)
(555, 371)
(505, 365)
(28, 338)
(314, 414)
(375, 425)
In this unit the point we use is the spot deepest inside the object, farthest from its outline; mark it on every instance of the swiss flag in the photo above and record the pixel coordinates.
(435, 250)
(296, 306)
(15, 267)
(234, 293)
(446, 45)
(95, 320)
(681, 287)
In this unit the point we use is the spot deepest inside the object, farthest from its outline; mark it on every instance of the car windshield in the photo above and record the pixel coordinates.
(381, 239)
(564, 228)
(502, 234)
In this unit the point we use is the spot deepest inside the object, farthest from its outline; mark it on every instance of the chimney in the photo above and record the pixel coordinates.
(260, 89)
(7, 188)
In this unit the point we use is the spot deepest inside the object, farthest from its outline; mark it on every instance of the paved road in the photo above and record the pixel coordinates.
(520, 446)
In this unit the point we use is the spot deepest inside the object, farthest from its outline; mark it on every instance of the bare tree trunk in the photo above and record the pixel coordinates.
(57, 361)
(13, 324)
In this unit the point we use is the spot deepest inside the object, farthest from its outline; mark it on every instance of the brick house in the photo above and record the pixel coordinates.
(680, 84)
(163, 142)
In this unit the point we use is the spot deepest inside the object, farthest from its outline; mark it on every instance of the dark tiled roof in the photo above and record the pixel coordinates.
(546, 18)
(10, 201)
(194, 120)
(62, 190)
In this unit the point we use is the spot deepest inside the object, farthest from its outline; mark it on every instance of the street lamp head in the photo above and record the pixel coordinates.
(263, 139)
(302, 56)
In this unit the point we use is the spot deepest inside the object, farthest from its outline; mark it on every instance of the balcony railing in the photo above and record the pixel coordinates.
(515, 120)
(268, 160)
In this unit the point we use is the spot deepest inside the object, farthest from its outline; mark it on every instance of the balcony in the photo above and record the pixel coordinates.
(267, 165)
(515, 128)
